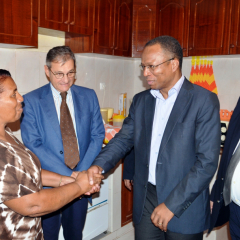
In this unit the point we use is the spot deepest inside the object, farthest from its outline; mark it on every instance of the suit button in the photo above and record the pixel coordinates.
(145, 186)
(222, 178)
(61, 152)
(218, 201)
(147, 166)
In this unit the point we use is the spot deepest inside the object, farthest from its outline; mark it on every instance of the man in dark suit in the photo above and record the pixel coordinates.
(63, 126)
(175, 130)
(225, 195)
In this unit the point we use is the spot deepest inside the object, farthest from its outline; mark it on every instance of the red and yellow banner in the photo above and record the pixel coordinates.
(202, 74)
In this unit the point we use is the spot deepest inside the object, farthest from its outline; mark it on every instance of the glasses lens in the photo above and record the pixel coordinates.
(59, 75)
(71, 74)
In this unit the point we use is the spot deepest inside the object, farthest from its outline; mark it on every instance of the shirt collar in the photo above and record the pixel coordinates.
(175, 89)
(56, 93)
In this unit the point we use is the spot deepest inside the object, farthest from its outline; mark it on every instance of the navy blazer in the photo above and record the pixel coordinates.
(41, 132)
(187, 160)
(220, 213)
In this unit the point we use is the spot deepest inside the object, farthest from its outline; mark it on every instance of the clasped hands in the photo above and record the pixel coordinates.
(89, 181)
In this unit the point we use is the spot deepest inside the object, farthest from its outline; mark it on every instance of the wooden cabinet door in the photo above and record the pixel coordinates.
(173, 20)
(81, 16)
(127, 204)
(104, 24)
(234, 47)
(122, 27)
(19, 22)
(209, 27)
(54, 14)
(143, 24)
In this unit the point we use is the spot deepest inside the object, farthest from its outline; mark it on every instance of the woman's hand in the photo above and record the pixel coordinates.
(83, 182)
(66, 180)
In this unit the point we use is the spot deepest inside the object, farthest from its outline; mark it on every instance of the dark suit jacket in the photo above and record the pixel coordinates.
(41, 132)
(220, 213)
(187, 160)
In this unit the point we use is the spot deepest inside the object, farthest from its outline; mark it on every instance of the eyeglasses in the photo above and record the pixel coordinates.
(152, 67)
(61, 75)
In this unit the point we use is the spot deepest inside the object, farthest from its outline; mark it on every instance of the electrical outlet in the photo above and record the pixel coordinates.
(102, 86)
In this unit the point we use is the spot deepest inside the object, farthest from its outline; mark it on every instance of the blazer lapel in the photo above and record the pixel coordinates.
(78, 103)
(180, 104)
(47, 104)
(150, 103)
(234, 139)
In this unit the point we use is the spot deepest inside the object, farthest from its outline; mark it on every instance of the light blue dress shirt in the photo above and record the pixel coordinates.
(163, 109)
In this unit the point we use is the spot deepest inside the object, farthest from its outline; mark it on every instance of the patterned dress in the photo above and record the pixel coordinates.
(20, 174)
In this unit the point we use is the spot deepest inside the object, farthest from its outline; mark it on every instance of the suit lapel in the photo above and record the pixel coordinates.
(235, 138)
(180, 104)
(78, 103)
(47, 104)
(150, 103)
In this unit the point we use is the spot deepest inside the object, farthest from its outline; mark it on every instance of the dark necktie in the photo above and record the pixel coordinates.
(229, 174)
(70, 145)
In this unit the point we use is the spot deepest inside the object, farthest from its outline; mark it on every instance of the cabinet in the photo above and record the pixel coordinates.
(75, 16)
(173, 20)
(19, 20)
(209, 27)
(234, 46)
(112, 33)
(143, 24)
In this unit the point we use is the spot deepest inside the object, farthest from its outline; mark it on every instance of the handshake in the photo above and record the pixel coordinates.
(89, 181)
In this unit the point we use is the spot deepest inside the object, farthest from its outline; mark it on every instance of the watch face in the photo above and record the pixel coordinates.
(224, 126)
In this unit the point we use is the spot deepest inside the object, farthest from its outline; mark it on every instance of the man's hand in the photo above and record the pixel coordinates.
(83, 182)
(91, 173)
(128, 184)
(161, 216)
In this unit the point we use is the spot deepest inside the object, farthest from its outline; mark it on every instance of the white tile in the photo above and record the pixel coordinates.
(128, 236)
(116, 82)
(102, 75)
(128, 79)
(85, 71)
(125, 229)
(27, 70)
(42, 76)
(8, 61)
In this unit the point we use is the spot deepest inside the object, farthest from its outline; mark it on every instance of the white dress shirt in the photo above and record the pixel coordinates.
(235, 186)
(58, 100)
(163, 109)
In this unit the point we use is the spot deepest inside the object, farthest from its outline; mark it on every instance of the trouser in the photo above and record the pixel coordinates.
(72, 218)
(234, 221)
(146, 230)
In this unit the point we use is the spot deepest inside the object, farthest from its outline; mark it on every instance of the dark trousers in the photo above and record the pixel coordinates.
(234, 221)
(72, 217)
(146, 230)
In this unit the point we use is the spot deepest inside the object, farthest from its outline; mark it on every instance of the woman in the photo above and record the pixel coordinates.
(22, 199)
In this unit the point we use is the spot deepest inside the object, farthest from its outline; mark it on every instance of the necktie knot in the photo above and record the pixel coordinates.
(63, 95)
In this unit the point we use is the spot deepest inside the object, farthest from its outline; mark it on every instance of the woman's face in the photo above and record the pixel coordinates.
(10, 102)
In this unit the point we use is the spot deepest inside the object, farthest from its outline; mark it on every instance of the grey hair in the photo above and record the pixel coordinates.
(169, 44)
(60, 54)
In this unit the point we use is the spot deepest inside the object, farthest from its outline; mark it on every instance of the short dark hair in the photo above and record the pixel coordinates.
(4, 74)
(60, 54)
(169, 44)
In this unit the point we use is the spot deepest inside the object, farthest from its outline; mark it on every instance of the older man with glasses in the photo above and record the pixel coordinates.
(63, 126)
(175, 130)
